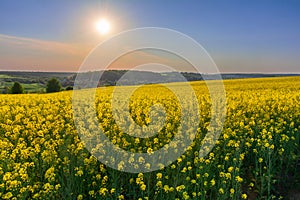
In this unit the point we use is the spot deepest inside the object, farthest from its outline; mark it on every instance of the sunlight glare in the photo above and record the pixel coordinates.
(103, 26)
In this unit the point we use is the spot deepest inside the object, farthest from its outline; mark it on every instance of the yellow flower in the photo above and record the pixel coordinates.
(212, 182)
(150, 150)
(7, 195)
(92, 192)
(103, 191)
(138, 180)
(79, 173)
(239, 179)
(242, 156)
(147, 165)
(131, 180)
(57, 186)
(267, 145)
(159, 175)
(79, 197)
(221, 191)
(159, 184)
(166, 188)
(112, 190)
(98, 176)
(121, 165)
(7, 176)
(141, 160)
(143, 187)
(131, 160)
(136, 140)
(185, 195)
(180, 188)
(244, 196)
(50, 175)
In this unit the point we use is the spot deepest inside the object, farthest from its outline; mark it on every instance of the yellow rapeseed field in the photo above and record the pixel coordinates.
(256, 157)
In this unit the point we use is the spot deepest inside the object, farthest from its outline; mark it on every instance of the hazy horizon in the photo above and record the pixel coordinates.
(44, 71)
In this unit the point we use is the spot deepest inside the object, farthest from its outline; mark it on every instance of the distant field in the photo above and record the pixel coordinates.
(36, 81)
(29, 88)
(5, 76)
(256, 157)
(32, 82)
(34, 87)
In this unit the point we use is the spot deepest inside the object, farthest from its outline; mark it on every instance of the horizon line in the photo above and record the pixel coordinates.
(44, 71)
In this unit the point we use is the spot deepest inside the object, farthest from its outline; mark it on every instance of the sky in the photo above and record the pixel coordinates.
(240, 35)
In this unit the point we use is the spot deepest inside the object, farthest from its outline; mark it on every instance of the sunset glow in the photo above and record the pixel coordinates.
(59, 36)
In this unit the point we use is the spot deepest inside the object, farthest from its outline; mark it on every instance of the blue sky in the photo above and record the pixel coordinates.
(240, 35)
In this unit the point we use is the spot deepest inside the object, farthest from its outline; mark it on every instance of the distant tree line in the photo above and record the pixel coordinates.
(53, 85)
(17, 88)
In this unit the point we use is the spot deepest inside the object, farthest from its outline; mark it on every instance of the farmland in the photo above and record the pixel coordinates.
(256, 156)
(35, 82)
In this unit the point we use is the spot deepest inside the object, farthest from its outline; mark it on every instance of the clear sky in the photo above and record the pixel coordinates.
(240, 35)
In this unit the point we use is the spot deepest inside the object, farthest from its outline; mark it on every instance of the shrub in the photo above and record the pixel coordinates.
(53, 85)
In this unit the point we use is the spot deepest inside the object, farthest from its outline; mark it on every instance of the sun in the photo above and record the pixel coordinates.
(103, 26)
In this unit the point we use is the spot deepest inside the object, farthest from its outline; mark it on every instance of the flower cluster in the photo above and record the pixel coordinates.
(42, 156)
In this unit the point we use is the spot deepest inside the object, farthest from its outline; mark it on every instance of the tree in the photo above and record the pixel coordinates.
(69, 88)
(53, 85)
(17, 88)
